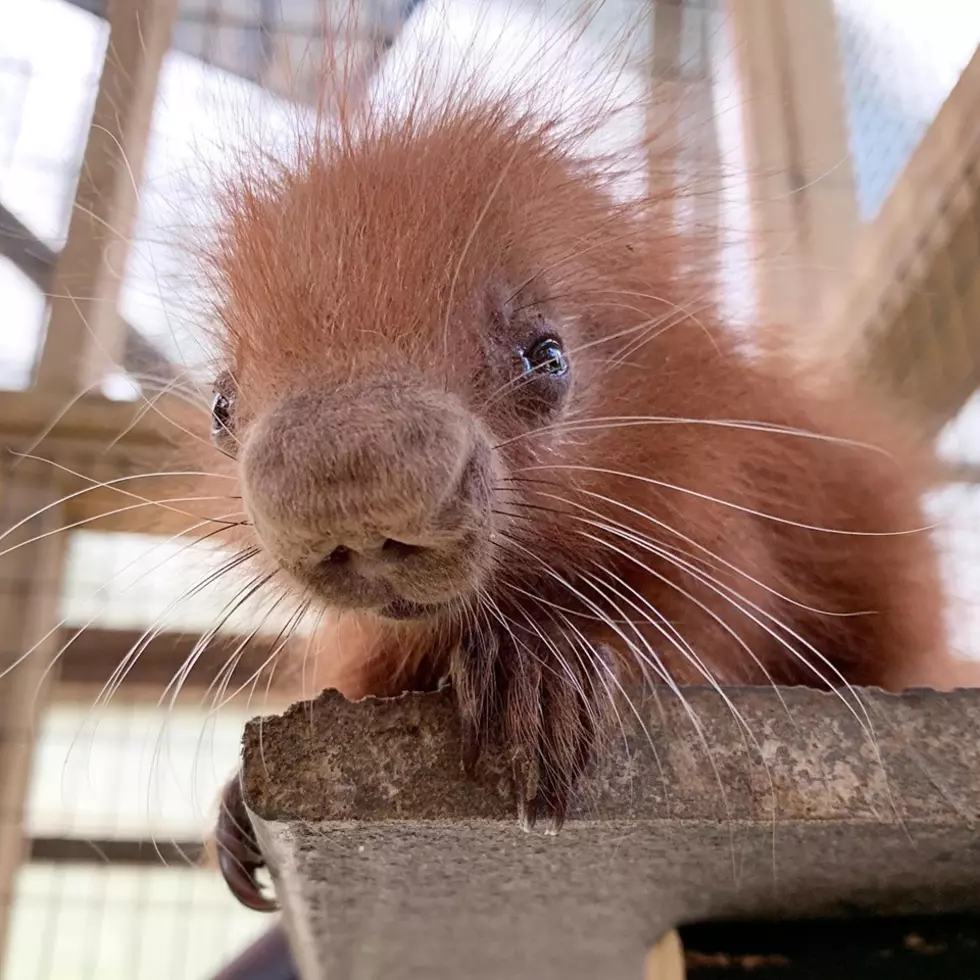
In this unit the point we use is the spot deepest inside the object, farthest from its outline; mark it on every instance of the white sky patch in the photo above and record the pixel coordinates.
(900, 59)
(49, 55)
(205, 119)
(534, 56)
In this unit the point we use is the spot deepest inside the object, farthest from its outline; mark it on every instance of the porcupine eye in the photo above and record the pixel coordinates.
(220, 414)
(222, 409)
(545, 357)
(546, 373)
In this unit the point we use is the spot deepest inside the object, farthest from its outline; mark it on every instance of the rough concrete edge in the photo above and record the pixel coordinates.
(397, 759)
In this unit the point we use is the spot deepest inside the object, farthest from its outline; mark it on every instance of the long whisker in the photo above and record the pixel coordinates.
(687, 595)
(112, 513)
(271, 662)
(100, 484)
(176, 683)
(99, 343)
(307, 652)
(123, 668)
(152, 405)
(223, 677)
(651, 659)
(605, 673)
(628, 421)
(247, 593)
(53, 423)
(695, 659)
(222, 698)
(717, 500)
(703, 548)
(860, 713)
(285, 634)
(188, 392)
(739, 602)
(105, 585)
(147, 637)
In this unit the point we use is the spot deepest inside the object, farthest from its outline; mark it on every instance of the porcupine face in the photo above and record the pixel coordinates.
(385, 379)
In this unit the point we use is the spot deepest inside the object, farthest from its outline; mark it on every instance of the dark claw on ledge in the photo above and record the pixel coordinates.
(238, 854)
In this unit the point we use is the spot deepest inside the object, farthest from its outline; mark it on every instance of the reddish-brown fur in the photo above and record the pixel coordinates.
(656, 524)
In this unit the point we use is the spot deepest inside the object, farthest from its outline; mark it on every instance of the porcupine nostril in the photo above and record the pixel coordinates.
(397, 551)
(340, 555)
(388, 552)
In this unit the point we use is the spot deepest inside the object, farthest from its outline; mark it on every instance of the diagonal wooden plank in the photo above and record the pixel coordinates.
(910, 317)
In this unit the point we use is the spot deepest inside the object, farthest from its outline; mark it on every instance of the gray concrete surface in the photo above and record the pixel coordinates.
(391, 864)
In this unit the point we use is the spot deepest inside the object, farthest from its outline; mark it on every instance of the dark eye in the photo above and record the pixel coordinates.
(221, 415)
(545, 357)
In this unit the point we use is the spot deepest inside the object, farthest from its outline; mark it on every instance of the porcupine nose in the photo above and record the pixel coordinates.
(375, 496)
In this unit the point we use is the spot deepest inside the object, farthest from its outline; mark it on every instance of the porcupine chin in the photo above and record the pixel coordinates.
(487, 420)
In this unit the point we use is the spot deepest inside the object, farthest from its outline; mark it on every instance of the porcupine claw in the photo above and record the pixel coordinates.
(238, 853)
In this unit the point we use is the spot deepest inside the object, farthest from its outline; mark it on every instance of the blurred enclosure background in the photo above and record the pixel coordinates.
(847, 133)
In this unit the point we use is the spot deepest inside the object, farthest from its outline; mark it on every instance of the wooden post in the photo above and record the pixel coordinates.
(665, 103)
(683, 139)
(30, 580)
(666, 960)
(85, 334)
(804, 208)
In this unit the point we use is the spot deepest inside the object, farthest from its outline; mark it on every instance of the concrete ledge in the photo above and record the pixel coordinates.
(390, 863)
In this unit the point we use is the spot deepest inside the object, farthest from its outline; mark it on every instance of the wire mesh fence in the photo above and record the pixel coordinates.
(122, 792)
(898, 64)
(115, 886)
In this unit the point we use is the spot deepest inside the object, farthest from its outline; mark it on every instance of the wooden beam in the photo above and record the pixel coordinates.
(92, 421)
(116, 851)
(84, 332)
(102, 440)
(19, 245)
(911, 319)
(803, 202)
(95, 654)
(30, 588)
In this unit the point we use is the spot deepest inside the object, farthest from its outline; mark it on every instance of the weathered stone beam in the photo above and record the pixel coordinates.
(389, 861)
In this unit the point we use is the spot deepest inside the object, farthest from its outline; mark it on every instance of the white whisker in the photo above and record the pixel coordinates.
(717, 500)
